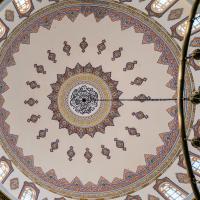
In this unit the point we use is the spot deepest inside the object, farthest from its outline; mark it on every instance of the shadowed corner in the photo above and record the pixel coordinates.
(3, 196)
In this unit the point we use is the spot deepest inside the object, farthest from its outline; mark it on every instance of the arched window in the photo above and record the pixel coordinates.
(24, 7)
(157, 8)
(179, 29)
(195, 164)
(3, 30)
(169, 190)
(160, 6)
(29, 192)
(5, 169)
(195, 161)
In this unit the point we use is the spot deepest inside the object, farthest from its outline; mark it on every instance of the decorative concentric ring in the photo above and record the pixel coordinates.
(110, 150)
(63, 103)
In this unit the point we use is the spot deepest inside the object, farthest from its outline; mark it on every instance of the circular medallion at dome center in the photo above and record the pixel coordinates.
(78, 106)
(83, 100)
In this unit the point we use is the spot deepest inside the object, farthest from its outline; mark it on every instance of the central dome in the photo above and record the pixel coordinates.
(74, 136)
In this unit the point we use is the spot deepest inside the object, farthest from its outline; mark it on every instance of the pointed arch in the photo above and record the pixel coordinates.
(29, 192)
(169, 190)
(179, 29)
(5, 169)
(3, 30)
(157, 8)
(23, 7)
(195, 161)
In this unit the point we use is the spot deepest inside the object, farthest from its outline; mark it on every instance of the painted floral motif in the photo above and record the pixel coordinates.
(39, 69)
(14, 183)
(130, 66)
(9, 15)
(132, 131)
(105, 151)
(182, 178)
(54, 145)
(42, 133)
(196, 129)
(142, 98)
(135, 197)
(33, 118)
(52, 56)
(195, 42)
(88, 155)
(140, 115)
(120, 144)
(138, 81)
(175, 14)
(101, 47)
(31, 102)
(33, 84)
(117, 53)
(71, 153)
(66, 48)
(83, 44)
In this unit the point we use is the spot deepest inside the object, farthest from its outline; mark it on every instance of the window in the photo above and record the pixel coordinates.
(171, 192)
(4, 170)
(157, 8)
(2, 29)
(179, 29)
(160, 6)
(195, 164)
(195, 161)
(23, 7)
(29, 192)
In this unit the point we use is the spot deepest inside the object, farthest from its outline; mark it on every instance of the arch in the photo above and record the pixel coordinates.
(195, 161)
(29, 192)
(23, 7)
(3, 30)
(169, 190)
(5, 169)
(157, 8)
(179, 29)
